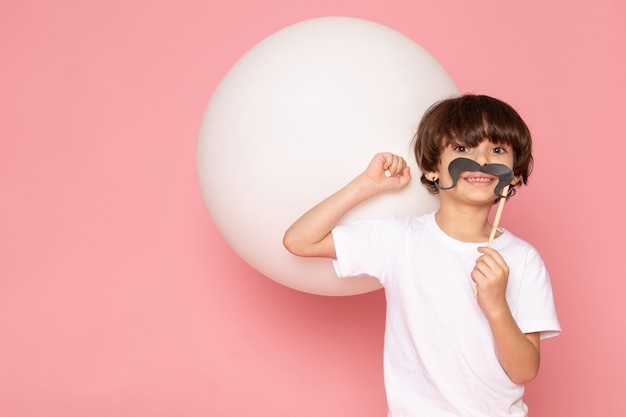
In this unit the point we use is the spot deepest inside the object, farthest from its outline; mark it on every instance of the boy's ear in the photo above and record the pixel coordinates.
(516, 180)
(431, 175)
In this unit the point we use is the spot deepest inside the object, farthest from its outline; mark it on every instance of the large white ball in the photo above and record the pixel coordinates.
(295, 119)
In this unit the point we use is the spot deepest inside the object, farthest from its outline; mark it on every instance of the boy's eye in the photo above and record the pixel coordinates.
(499, 150)
(461, 148)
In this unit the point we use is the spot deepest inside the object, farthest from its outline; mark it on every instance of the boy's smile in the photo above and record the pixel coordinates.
(475, 178)
(478, 179)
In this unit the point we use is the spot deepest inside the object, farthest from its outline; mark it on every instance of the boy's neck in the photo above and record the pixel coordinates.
(466, 224)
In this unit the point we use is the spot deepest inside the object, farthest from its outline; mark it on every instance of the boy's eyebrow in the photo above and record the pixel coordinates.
(501, 142)
(457, 141)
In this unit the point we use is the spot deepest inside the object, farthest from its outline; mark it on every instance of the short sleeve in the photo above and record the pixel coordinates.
(361, 248)
(535, 310)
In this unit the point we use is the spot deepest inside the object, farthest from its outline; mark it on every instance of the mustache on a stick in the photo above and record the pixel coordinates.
(504, 173)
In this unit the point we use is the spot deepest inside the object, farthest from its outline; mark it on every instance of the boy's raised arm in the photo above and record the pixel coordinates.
(311, 234)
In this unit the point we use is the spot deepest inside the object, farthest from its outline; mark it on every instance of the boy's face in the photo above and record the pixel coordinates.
(479, 183)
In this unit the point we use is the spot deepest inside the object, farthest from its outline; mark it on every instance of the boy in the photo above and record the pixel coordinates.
(447, 352)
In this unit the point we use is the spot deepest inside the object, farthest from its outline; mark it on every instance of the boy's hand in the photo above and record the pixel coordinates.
(388, 172)
(491, 274)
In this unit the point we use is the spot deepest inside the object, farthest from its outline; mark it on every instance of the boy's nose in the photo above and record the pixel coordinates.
(482, 158)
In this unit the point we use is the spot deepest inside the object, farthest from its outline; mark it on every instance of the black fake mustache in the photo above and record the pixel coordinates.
(503, 172)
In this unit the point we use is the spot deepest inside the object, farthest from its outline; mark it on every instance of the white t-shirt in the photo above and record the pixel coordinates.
(440, 357)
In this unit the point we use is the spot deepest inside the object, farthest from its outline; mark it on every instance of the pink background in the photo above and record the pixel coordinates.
(119, 298)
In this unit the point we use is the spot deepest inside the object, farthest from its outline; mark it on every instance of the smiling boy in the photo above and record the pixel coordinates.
(447, 353)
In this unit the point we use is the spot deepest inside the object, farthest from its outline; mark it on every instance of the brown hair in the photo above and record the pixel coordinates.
(470, 119)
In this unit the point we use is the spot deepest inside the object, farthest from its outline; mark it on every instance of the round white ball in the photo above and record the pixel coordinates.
(295, 119)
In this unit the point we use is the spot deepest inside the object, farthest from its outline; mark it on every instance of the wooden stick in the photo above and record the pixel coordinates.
(496, 220)
(494, 227)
